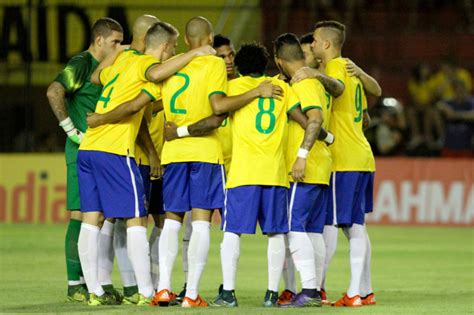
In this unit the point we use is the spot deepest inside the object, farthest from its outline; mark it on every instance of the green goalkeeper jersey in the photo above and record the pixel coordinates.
(81, 94)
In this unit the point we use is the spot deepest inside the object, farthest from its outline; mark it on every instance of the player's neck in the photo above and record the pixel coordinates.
(330, 55)
(96, 53)
(196, 44)
(292, 67)
(138, 45)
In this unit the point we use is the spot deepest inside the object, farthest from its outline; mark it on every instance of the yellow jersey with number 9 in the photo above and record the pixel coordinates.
(311, 95)
(259, 134)
(186, 101)
(351, 150)
(122, 82)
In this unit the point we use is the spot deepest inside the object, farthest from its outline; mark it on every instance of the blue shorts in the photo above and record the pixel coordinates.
(245, 205)
(307, 208)
(156, 199)
(145, 174)
(348, 195)
(368, 202)
(111, 184)
(190, 185)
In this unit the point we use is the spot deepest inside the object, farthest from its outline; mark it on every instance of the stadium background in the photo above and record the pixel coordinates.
(386, 37)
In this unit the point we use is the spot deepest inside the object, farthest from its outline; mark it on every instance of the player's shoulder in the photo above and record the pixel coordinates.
(337, 62)
(82, 59)
(212, 61)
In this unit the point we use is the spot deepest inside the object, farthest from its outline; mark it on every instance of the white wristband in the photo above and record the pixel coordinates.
(302, 153)
(67, 125)
(329, 138)
(182, 131)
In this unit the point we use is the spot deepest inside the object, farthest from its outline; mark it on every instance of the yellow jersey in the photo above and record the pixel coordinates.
(224, 132)
(259, 132)
(121, 82)
(311, 94)
(186, 101)
(351, 150)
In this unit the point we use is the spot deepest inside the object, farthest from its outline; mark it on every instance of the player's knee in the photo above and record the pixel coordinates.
(93, 218)
(201, 214)
(175, 216)
(76, 215)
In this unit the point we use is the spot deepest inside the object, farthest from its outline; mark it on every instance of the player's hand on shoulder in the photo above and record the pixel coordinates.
(305, 73)
(94, 120)
(353, 69)
(299, 169)
(267, 89)
(170, 131)
(205, 51)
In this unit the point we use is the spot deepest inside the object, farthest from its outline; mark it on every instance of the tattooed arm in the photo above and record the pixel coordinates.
(297, 115)
(333, 86)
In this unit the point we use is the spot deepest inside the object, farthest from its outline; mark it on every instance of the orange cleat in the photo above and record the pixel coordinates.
(324, 298)
(369, 299)
(198, 302)
(354, 301)
(285, 297)
(162, 298)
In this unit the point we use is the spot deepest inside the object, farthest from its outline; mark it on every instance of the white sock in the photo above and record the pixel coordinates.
(120, 247)
(87, 246)
(139, 255)
(357, 250)
(289, 269)
(186, 237)
(230, 253)
(154, 256)
(319, 248)
(276, 259)
(303, 256)
(330, 239)
(106, 253)
(168, 248)
(366, 281)
(197, 256)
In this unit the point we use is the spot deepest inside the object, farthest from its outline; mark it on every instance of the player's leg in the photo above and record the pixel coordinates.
(177, 203)
(156, 211)
(76, 291)
(130, 288)
(239, 217)
(207, 192)
(288, 277)
(273, 220)
(188, 229)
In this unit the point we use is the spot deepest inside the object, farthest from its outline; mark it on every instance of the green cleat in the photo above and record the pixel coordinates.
(131, 299)
(77, 293)
(144, 301)
(225, 299)
(109, 288)
(105, 299)
(271, 298)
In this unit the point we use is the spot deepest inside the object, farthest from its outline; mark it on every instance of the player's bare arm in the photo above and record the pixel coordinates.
(200, 128)
(366, 119)
(313, 128)
(146, 144)
(297, 115)
(122, 111)
(162, 71)
(222, 104)
(371, 85)
(108, 61)
(333, 86)
(157, 106)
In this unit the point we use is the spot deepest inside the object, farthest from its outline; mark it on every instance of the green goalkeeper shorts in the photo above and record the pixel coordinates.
(73, 199)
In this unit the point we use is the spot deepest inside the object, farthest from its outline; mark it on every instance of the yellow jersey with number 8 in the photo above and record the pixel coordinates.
(186, 101)
(350, 151)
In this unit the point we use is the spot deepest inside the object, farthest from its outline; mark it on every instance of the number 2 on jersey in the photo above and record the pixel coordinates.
(358, 104)
(173, 108)
(268, 112)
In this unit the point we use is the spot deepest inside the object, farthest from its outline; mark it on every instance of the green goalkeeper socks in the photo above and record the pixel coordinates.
(73, 264)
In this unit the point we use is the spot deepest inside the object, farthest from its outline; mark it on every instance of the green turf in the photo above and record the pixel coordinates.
(415, 271)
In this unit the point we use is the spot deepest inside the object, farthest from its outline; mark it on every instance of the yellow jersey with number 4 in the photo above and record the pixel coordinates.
(121, 82)
(186, 101)
(259, 132)
(311, 95)
(351, 150)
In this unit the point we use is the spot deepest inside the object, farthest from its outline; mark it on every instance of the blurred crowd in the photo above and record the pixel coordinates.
(437, 120)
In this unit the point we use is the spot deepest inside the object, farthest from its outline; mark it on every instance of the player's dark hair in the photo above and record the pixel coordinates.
(337, 27)
(104, 27)
(306, 39)
(159, 33)
(221, 40)
(252, 58)
(287, 47)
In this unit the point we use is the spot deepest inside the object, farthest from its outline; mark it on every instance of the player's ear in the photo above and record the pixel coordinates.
(211, 39)
(186, 40)
(327, 44)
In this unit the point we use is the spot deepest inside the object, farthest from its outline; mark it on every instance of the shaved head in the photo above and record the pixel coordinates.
(142, 25)
(332, 31)
(198, 28)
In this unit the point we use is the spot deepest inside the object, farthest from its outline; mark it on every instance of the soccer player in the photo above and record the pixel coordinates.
(258, 180)
(353, 161)
(311, 169)
(193, 176)
(71, 96)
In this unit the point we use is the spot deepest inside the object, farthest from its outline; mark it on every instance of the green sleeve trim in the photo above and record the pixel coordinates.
(311, 107)
(216, 92)
(293, 107)
(149, 95)
(341, 82)
(146, 71)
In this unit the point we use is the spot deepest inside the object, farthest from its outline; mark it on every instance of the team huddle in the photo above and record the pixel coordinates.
(176, 138)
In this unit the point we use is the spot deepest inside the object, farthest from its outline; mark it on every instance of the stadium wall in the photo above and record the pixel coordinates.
(407, 191)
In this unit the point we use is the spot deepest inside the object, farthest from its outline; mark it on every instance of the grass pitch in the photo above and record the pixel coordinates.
(415, 270)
